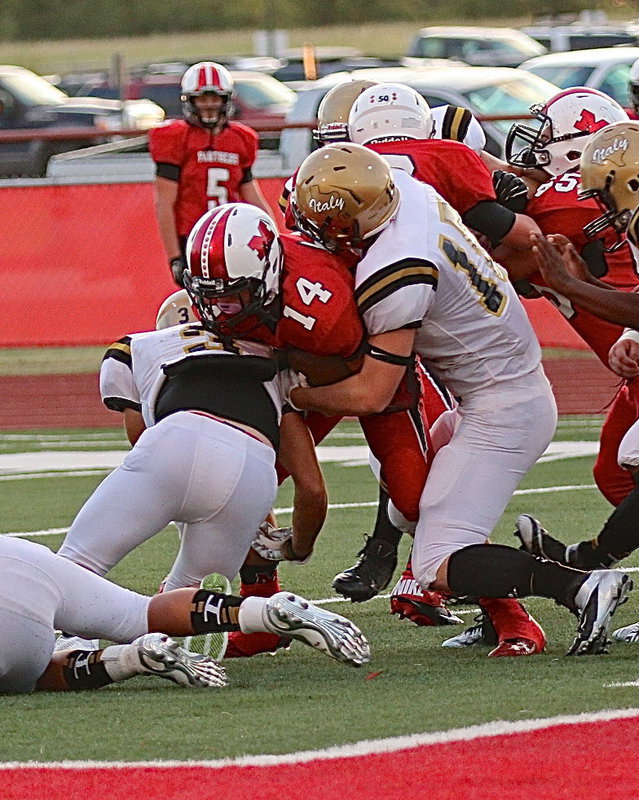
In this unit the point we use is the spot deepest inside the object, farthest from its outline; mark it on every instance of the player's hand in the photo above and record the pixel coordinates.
(511, 191)
(557, 260)
(178, 265)
(276, 544)
(269, 541)
(623, 358)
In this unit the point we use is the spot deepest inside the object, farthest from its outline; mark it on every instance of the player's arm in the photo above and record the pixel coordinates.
(134, 425)
(310, 503)
(372, 388)
(166, 192)
(557, 263)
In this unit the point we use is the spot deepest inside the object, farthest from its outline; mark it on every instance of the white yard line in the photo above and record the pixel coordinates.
(354, 750)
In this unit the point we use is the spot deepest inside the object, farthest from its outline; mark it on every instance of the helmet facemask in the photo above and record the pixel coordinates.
(529, 147)
(213, 121)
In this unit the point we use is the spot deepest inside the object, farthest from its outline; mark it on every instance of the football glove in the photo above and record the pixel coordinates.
(511, 191)
(270, 543)
(178, 265)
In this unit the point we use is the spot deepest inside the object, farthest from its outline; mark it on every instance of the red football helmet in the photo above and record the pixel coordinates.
(207, 77)
(234, 259)
(567, 119)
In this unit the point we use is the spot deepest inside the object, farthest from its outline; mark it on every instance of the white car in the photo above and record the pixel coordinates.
(603, 68)
(486, 91)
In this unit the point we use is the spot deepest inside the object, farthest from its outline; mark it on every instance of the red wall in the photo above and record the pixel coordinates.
(84, 265)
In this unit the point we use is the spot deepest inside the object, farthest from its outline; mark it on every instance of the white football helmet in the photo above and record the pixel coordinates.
(202, 78)
(234, 259)
(175, 310)
(389, 112)
(567, 119)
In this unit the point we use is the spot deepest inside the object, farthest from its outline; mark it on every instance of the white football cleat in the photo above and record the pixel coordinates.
(290, 615)
(160, 656)
(630, 633)
(597, 600)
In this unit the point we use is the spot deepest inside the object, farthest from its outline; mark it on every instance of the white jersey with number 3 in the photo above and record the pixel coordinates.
(427, 271)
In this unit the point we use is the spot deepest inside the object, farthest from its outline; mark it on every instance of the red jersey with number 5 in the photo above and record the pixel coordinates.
(556, 209)
(210, 167)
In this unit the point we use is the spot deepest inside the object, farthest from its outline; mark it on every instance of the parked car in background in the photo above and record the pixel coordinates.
(580, 36)
(28, 101)
(483, 90)
(498, 47)
(260, 99)
(301, 65)
(604, 68)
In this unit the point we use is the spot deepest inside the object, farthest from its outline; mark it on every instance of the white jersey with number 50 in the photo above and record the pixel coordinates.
(427, 271)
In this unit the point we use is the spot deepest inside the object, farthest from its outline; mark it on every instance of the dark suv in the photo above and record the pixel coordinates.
(28, 101)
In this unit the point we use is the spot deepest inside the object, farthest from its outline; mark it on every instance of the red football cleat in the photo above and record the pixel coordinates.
(510, 648)
(245, 645)
(514, 626)
(409, 601)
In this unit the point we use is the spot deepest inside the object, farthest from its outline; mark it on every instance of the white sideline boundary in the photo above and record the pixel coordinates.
(356, 750)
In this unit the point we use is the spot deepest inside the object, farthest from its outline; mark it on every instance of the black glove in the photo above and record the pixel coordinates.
(178, 265)
(511, 191)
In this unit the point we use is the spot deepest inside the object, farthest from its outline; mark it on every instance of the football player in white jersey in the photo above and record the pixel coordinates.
(41, 591)
(425, 284)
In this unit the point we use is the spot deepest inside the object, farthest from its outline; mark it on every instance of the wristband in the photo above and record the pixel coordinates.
(629, 335)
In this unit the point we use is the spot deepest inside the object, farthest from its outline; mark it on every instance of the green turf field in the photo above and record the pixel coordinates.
(300, 699)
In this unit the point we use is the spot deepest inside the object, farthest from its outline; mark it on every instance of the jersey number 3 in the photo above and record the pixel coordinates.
(308, 292)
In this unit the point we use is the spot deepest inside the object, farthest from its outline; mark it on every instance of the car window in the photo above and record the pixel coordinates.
(616, 84)
(507, 97)
(429, 47)
(564, 76)
(262, 94)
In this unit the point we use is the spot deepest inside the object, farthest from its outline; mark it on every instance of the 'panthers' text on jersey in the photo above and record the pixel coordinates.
(427, 271)
(452, 168)
(208, 167)
(133, 373)
(556, 208)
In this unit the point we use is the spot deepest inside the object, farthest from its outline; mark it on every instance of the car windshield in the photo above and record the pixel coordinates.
(564, 76)
(32, 90)
(263, 94)
(509, 97)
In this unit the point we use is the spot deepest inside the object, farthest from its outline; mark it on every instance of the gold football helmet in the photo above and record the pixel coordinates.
(332, 114)
(344, 194)
(610, 175)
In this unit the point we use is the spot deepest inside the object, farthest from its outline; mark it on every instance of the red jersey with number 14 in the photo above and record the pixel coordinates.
(319, 312)
(556, 209)
(211, 167)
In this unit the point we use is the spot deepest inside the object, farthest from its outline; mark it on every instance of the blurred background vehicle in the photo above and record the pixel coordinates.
(486, 91)
(604, 68)
(494, 47)
(260, 99)
(580, 36)
(28, 101)
(311, 63)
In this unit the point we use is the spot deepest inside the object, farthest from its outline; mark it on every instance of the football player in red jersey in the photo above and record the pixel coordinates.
(566, 121)
(315, 313)
(202, 161)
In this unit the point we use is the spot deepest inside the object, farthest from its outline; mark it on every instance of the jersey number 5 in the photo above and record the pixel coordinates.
(308, 292)
(216, 192)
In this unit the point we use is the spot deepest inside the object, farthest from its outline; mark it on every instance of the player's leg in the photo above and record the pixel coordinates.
(617, 539)
(613, 481)
(468, 488)
(230, 491)
(139, 498)
(400, 446)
